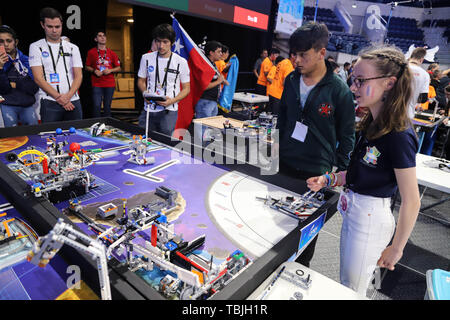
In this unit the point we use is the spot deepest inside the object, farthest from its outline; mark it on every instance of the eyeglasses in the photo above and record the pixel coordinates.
(360, 81)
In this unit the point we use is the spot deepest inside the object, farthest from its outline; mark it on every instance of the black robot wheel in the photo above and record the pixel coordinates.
(11, 157)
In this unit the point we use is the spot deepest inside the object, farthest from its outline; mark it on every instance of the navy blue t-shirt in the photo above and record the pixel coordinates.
(371, 170)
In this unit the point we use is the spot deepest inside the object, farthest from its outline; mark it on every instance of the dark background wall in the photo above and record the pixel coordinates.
(246, 43)
(24, 19)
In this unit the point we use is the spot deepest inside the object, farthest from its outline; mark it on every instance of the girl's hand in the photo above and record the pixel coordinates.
(316, 183)
(389, 258)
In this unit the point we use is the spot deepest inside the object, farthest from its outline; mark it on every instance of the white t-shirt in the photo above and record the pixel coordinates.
(420, 84)
(304, 92)
(40, 55)
(177, 73)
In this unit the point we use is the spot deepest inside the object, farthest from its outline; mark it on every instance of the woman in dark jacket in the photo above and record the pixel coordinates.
(17, 87)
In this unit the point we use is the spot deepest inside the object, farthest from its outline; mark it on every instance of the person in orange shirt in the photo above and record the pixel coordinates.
(431, 95)
(261, 85)
(222, 65)
(283, 68)
(272, 85)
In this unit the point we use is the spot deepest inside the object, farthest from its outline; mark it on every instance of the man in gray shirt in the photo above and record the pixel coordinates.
(257, 67)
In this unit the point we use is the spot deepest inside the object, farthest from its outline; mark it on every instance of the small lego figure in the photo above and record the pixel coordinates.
(139, 148)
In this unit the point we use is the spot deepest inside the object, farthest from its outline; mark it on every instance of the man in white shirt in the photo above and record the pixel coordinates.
(343, 72)
(57, 70)
(160, 74)
(421, 82)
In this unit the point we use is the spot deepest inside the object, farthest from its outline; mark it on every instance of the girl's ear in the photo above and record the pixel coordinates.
(390, 82)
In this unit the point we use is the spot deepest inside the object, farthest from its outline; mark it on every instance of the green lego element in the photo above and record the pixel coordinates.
(237, 257)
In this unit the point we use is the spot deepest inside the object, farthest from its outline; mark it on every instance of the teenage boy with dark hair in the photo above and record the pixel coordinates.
(160, 74)
(317, 115)
(102, 62)
(261, 85)
(57, 70)
(222, 64)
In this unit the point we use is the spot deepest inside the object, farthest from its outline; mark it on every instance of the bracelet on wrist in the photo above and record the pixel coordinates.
(327, 176)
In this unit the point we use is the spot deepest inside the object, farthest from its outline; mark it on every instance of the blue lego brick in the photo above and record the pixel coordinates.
(171, 245)
(162, 219)
(237, 252)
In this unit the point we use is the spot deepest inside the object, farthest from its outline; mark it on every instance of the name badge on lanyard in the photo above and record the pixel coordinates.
(102, 62)
(300, 131)
(54, 78)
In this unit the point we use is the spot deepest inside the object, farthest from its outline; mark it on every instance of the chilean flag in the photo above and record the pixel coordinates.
(201, 73)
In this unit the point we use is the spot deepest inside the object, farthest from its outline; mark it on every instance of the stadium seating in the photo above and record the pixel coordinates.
(402, 32)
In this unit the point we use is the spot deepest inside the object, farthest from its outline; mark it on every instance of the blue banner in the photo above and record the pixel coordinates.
(311, 230)
(226, 97)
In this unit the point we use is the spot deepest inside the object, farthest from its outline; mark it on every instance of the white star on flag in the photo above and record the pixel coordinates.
(178, 46)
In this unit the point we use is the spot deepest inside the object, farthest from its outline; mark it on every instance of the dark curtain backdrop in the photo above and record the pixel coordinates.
(24, 19)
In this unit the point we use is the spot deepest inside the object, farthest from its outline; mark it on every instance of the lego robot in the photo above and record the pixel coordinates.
(47, 247)
(138, 151)
(295, 207)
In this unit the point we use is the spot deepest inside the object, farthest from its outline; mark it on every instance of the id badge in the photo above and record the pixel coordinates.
(343, 203)
(54, 78)
(159, 91)
(300, 132)
(102, 68)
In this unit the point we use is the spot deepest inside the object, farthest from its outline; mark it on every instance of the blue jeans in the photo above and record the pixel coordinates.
(161, 121)
(12, 115)
(428, 142)
(99, 94)
(52, 111)
(204, 109)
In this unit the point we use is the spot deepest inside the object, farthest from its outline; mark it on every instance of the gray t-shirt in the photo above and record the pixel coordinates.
(304, 92)
(257, 66)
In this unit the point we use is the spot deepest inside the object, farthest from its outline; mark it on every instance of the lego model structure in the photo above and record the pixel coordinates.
(100, 129)
(170, 230)
(187, 276)
(16, 239)
(55, 168)
(441, 164)
(299, 208)
(139, 147)
(108, 211)
(62, 233)
(262, 126)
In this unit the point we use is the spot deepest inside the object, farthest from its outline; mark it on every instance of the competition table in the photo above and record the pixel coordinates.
(209, 190)
(426, 122)
(432, 177)
(319, 287)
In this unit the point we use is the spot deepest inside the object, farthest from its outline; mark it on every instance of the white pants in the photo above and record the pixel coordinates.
(367, 228)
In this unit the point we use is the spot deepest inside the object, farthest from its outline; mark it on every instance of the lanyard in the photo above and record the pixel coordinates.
(21, 69)
(60, 53)
(102, 60)
(164, 83)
